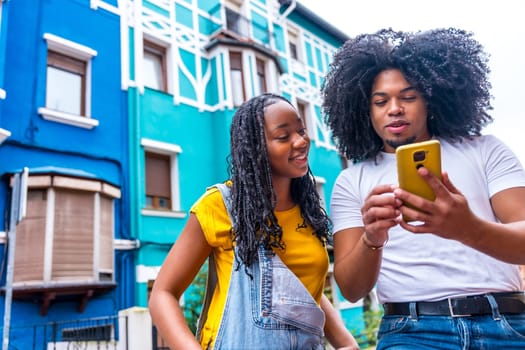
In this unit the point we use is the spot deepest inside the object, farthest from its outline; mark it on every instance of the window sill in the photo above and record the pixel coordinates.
(66, 118)
(163, 213)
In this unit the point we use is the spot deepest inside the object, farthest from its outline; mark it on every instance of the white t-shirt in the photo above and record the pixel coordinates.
(425, 266)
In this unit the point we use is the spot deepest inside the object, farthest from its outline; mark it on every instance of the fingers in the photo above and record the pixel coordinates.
(376, 214)
(416, 207)
(380, 212)
(380, 204)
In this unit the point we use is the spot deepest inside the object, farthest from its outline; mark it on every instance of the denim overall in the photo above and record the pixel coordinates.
(271, 310)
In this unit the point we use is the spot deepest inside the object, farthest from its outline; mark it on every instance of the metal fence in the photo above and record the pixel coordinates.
(84, 334)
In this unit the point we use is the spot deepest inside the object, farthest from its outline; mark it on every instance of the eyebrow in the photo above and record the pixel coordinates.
(408, 88)
(286, 124)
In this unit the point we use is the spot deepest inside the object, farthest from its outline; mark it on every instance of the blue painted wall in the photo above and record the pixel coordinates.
(34, 142)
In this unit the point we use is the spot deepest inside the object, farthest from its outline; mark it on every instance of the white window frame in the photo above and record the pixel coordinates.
(245, 81)
(237, 6)
(165, 48)
(173, 151)
(255, 76)
(249, 74)
(320, 184)
(310, 125)
(294, 36)
(80, 52)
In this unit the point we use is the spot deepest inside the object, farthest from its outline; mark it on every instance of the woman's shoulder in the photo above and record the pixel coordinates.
(212, 197)
(213, 217)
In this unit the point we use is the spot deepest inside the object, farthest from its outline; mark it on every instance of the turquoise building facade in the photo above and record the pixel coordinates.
(191, 64)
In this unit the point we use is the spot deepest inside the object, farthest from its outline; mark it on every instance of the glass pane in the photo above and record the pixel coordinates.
(233, 20)
(152, 71)
(259, 85)
(164, 202)
(64, 91)
(293, 50)
(237, 87)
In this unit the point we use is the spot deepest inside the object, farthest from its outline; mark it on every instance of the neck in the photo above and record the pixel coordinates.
(284, 195)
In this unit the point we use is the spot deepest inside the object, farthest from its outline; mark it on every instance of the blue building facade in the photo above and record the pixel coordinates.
(64, 115)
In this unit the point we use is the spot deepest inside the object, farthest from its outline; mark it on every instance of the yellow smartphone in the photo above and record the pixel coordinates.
(410, 158)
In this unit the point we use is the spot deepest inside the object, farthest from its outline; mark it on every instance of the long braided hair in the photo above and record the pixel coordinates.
(447, 66)
(253, 196)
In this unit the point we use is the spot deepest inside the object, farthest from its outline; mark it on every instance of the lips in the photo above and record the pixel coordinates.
(397, 126)
(397, 123)
(300, 158)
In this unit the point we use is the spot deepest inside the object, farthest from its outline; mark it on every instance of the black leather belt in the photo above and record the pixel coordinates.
(508, 303)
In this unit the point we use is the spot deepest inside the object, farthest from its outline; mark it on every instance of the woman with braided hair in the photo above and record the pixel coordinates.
(450, 278)
(265, 233)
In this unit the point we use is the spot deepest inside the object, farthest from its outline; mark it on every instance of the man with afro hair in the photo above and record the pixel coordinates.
(449, 279)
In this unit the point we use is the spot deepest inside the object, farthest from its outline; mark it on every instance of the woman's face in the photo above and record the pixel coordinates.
(286, 140)
(398, 111)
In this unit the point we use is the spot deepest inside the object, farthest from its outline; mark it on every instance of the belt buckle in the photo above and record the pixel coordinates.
(451, 309)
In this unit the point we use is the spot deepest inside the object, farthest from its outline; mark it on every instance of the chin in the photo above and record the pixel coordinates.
(400, 142)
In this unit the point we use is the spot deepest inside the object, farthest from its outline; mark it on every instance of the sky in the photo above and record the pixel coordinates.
(497, 25)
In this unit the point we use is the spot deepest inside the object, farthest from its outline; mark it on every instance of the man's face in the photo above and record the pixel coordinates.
(397, 111)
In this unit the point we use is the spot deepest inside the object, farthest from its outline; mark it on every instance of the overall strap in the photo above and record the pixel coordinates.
(226, 197)
(211, 280)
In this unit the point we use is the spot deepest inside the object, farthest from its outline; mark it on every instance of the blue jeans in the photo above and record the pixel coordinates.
(486, 332)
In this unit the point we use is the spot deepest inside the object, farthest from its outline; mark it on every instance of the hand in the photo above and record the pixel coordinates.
(447, 216)
(380, 212)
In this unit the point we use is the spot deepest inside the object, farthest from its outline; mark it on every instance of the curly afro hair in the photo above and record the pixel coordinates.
(447, 66)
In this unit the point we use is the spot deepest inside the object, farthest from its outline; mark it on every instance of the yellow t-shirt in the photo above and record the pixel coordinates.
(304, 254)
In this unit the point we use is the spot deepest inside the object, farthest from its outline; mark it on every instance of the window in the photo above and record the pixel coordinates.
(161, 185)
(232, 20)
(301, 109)
(65, 84)
(257, 78)
(67, 234)
(237, 78)
(260, 77)
(158, 188)
(154, 67)
(293, 45)
(293, 50)
(235, 22)
(68, 83)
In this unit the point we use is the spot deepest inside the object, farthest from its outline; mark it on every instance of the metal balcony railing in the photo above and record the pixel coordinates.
(92, 333)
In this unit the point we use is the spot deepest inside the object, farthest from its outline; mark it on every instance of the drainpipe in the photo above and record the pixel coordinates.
(287, 12)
